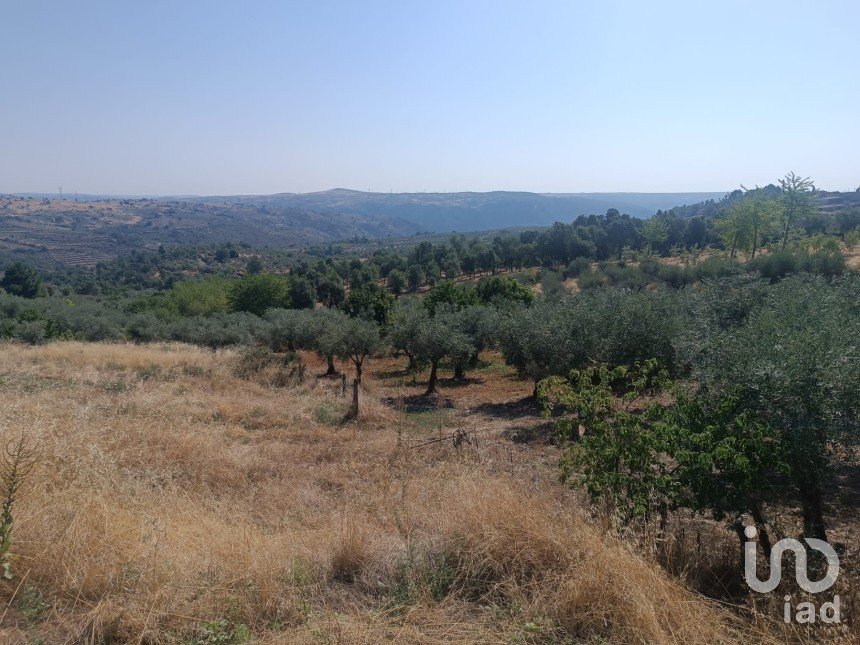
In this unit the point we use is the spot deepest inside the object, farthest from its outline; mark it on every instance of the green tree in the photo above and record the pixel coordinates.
(436, 340)
(21, 280)
(797, 201)
(330, 289)
(303, 294)
(725, 461)
(415, 276)
(407, 318)
(371, 302)
(325, 330)
(480, 325)
(258, 292)
(451, 294)
(502, 288)
(747, 219)
(614, 449)
(254, 265)
(357, 339)
(397, 281)
(199, 297)
(655, 232)
(790, 364)
(289, 329)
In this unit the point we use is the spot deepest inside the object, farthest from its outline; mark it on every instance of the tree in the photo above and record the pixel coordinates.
(415, 276)
(397, 281)
(371, 302)
(789, 364)
(408, 316)
(797, 201)
(21, 280)
(747, 219)
(256, 293)
(450, 265)
(437, 339)
(725, 460)
(199, 297)
(325, 327)
(502, 288)
(480, 324)
(655, 232)
(303, 295)
(452, 294)
(289, 329)
(330, 289)
(254, 265)
(644, 459)
(357, 339)
(614, 451)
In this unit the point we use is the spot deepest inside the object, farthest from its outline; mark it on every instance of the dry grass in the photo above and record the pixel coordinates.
(171, 495)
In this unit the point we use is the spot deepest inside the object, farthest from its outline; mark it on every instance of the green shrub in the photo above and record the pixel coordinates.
(199, 297)
(258, 292)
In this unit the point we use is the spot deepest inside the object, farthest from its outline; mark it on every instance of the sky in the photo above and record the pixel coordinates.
(216, 98)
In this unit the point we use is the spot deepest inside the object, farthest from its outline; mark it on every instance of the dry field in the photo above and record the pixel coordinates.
(173, 502)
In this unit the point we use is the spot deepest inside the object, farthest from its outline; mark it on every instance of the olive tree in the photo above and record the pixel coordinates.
(407, 318)
(325, 327)
(356, 339)
(438, 339)
(290, 329)
(793, 366)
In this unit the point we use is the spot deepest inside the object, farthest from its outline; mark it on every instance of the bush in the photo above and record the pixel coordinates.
(495, 289)
(199, 297)
(21, 280)
(590, 279)
(259, 292)
(576, 267)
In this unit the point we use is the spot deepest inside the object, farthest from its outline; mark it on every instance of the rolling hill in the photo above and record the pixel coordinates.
(443, 212)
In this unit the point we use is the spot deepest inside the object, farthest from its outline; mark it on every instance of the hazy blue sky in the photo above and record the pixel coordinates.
(150, 97)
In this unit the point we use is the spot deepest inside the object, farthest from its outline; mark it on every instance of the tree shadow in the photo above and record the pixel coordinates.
(517, 409)
(461, 382)
(542, 433)
(419, 402)
(396, 373)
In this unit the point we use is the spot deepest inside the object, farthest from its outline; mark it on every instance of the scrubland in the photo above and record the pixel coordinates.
(174, 502)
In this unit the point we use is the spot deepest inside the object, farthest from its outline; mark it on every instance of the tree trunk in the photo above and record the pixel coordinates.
(785, 235)
(755, 242)
(734, 245)
(352, 413)
(330, 371)
(357, 370)
(431, 384)
(458, 372)
(813, 511)
(761, 527)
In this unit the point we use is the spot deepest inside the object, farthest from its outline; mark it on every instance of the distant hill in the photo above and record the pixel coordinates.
(46, 231)
(88, 228)
(439, 212)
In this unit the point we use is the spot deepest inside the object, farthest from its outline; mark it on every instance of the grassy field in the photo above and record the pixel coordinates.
(173, 502)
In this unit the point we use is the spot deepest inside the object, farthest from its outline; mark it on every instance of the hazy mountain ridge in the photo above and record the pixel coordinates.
(473, 211)
(85, 232)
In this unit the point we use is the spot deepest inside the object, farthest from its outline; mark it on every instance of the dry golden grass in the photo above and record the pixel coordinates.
(171, 494)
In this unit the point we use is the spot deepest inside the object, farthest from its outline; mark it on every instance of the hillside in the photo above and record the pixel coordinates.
(72, 232)
(472, 211)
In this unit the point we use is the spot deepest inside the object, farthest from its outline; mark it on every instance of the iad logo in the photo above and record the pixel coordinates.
(829, 612)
